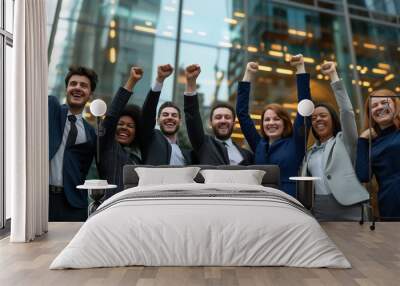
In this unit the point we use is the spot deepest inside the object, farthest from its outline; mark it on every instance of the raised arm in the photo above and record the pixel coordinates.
(118, 104)
(346, 112)
(149, 108)
(242, 106)
(303, 92)
(194, 124)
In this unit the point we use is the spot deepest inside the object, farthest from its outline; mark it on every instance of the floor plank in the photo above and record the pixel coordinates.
(374, 255)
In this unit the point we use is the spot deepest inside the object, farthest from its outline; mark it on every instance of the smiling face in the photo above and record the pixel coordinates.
(78, 91)
(126, 130)
(321, 121)
(382, 111)
(273, 125)
(169, 121)
(222, 122)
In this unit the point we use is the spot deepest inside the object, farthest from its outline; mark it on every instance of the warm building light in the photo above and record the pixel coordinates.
(301, 33)
(326, 77)
(276, 47)
(169, 8)
(225, 44)
(252, 49)
(384, 66)
(389, 77)
(318, 67)
(144, 29)
(379, 71)
(364, 70)
(237, 135)
(370, 89)
(284, 71)
(167, 33)
(310, 35)
(112, 56)
(359, 68)
(351, 66)
(308, 60)
(188, 12)
(355, 43)
(239, 14)
(264, 68)
(275, 53)
(320, 76)
(230, 21)
(397, 89)
(381, 48)
(290, 105)
(112, 33)
(288, 57)
(366, 84)
(113, 24)
(238, 46)
(255, 116)
(370, 46)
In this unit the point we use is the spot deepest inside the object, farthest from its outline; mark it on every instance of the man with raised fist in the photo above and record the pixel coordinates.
(218, 149)
(161, 147)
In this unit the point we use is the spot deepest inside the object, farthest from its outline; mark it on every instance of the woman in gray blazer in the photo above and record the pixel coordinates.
(332, 157)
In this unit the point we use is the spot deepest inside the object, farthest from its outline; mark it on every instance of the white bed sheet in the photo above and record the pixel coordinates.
(200, 232)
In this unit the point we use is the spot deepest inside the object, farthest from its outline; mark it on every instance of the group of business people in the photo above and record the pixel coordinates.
(129, 136)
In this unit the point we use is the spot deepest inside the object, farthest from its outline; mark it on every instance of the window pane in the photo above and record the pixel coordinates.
(110, 36)
(378, 55)
(8, 70)
(9, 14)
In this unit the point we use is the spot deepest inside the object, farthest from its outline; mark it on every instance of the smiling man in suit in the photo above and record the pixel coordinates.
(218, 149)
(72, 144)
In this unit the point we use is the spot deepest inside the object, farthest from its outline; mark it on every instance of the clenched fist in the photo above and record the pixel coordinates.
(329, 68)
(297, 61)
(252, 67)
(136, 74)
(163, 72)
(192, 72)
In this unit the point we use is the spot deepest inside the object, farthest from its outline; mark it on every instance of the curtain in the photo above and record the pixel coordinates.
(27, 124)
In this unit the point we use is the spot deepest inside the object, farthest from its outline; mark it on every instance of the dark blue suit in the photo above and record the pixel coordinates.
(286, 152)
(77, 158)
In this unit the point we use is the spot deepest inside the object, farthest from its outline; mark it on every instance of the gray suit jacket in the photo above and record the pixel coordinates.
(339, 155)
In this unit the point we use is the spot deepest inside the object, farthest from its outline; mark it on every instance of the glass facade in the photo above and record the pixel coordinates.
(363, 36)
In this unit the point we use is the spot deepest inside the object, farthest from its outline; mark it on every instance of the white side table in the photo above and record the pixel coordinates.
(305, 190)
(96, 193)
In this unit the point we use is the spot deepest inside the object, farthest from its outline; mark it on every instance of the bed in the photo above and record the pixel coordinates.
(201, 224)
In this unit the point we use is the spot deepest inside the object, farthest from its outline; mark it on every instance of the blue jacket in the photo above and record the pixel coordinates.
(77, 158)
(287, 152)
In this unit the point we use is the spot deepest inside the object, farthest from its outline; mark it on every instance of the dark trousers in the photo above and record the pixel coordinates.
(61, 210)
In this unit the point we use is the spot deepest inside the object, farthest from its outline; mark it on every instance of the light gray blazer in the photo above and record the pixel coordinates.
(339, 155)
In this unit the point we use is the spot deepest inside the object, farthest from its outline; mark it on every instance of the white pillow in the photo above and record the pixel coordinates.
(166, 176)
(248, 177)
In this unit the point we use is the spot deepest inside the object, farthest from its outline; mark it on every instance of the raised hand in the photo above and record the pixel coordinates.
(191, 74)
(135, 74)
(251, 71)
(297, 61)
(163, 72)
(329, 68)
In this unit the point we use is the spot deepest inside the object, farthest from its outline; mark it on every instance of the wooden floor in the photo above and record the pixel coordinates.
(375, 257)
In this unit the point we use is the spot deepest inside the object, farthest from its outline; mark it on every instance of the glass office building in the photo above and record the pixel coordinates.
(363, 36)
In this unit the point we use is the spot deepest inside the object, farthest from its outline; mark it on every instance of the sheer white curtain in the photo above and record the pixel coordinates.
(27, 124)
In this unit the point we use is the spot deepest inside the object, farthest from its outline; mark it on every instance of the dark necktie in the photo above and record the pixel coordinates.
(73, 131)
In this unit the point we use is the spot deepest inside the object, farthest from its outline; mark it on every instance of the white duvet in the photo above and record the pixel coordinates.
(188, 231)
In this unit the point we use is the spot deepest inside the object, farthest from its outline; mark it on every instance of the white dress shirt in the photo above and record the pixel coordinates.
(235, 157)
(56, 164)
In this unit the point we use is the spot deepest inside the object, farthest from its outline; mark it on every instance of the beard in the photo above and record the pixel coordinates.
(220, 136)
(167, 132)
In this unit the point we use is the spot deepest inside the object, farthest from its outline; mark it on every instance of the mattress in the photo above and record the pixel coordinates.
(201, 225)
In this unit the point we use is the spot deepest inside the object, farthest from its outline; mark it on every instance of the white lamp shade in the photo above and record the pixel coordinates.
(98, 107)
(305, 107)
